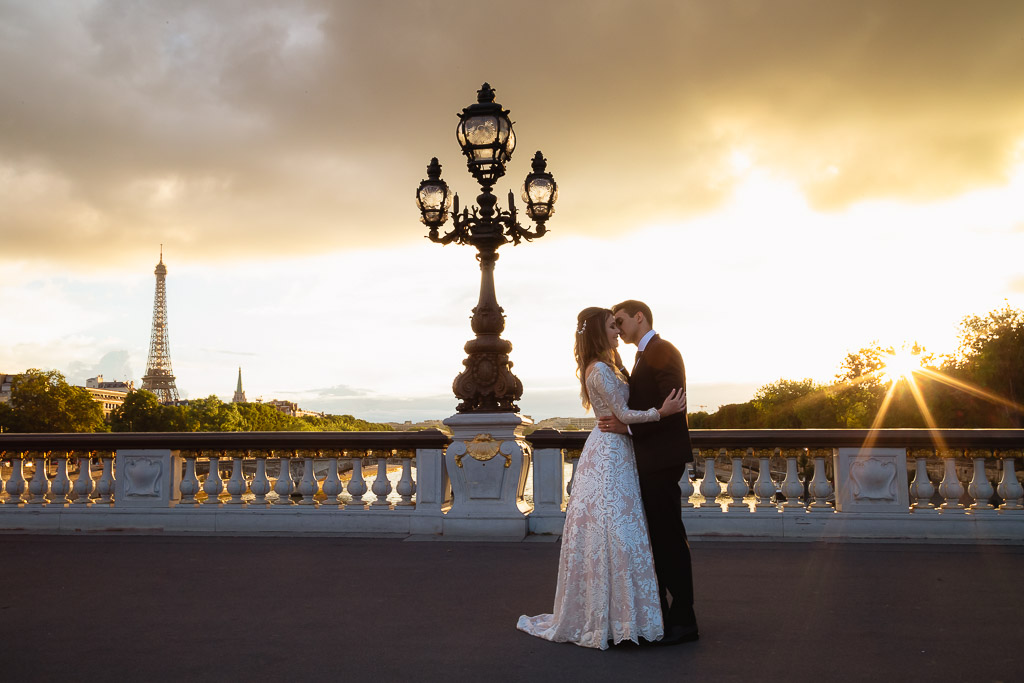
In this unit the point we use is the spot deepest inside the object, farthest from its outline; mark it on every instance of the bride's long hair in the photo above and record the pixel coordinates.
(592, 345)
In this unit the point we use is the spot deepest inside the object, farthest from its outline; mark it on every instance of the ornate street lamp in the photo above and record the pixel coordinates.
(485, 134)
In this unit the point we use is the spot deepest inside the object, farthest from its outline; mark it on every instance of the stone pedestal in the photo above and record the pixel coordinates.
(487, 463)
(548, 517)
(147, 478)
(871, 480)
(431, 487)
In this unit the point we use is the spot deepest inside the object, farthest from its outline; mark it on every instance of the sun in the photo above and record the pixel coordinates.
(900, 365)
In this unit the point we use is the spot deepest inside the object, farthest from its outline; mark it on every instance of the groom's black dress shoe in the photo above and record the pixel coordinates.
(677, 633)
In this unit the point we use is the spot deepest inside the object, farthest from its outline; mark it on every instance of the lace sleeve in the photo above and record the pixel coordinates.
(602, 384)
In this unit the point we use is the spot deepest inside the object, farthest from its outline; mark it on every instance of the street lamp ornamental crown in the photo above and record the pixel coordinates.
(487, 140)
(486, 137)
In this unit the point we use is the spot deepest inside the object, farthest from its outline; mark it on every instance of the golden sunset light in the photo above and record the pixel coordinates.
(781, 182)
(901, 365)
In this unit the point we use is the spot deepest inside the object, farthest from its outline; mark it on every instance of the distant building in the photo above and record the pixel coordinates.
(5, 387)
(409, 425)
(292, 409)
(110, 395)
(239, 394)
(581, 423)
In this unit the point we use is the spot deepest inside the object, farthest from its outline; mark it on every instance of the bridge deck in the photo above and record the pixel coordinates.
(170, 608)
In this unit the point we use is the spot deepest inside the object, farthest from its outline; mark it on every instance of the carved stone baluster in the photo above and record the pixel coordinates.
(792, 487)
(572, 475)
(737, 487)
(84, 484)
(332, 486)
(1009, 488)
(406, 486)
(686, 483)
(820, 488)
(980, 487)
(189, 485)
(16, 484)
(950, 487)
(308, 485)
(381, 484)
(764, 487)
(106, 484)
(237, 485)
(709, 486)
(284, 485)
(214, 485)
(922, 489)
(260, 485)
(357, 485)
(60, 487)
(39, 485)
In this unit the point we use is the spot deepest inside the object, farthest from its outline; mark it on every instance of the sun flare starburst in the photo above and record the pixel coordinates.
(899, 365)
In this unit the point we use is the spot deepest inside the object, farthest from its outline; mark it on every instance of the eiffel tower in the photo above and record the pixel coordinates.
(159, 378)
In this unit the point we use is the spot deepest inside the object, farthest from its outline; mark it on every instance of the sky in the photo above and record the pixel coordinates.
(782, 182)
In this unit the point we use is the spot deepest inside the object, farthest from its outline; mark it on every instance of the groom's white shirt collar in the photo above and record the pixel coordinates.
(645, 340)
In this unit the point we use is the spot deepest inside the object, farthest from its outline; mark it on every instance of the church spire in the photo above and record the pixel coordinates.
(239, 393)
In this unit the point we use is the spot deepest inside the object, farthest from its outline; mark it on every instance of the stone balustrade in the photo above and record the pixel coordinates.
(277, 482)
(811, 484)
(824, 483)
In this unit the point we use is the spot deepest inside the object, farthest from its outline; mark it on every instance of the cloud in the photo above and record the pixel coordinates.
(538, 404)
(114, 366)
(243, 129)
(383, 408)
(228, 352)
(339, 391)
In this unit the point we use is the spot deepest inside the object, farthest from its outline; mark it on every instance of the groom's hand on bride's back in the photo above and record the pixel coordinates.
(610, 423)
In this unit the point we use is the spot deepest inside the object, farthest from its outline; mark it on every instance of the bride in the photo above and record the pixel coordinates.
(607, 589)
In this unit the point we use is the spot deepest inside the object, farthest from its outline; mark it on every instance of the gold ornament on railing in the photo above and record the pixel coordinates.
(483, 447)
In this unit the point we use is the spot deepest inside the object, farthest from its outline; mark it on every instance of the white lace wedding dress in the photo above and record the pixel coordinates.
(607, 589)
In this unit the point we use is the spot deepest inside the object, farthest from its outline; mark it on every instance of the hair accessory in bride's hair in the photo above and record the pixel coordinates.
(583, 328)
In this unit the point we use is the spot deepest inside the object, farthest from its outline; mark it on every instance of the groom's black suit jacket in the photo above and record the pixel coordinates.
(663, 445)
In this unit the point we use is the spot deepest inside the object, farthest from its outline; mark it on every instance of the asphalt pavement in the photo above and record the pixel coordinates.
(153, 608)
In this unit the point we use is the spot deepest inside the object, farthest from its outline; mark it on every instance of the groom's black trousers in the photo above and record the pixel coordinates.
(662, 500)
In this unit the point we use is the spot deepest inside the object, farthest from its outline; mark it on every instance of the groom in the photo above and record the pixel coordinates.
(662, 451)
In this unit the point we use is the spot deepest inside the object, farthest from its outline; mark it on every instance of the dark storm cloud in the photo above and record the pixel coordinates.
(255, 128)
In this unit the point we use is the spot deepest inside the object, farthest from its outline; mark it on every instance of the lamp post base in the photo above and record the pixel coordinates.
(488, 462)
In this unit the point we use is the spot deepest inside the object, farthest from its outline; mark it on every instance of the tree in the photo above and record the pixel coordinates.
(210, 414)
(698, 420)
(142, 412)
(734, 416)
(8, 418)
(991, 357)
(865, 365)
(42, 401)
(859, 389)
(260, 417)
(788, 404)
(342, 423)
